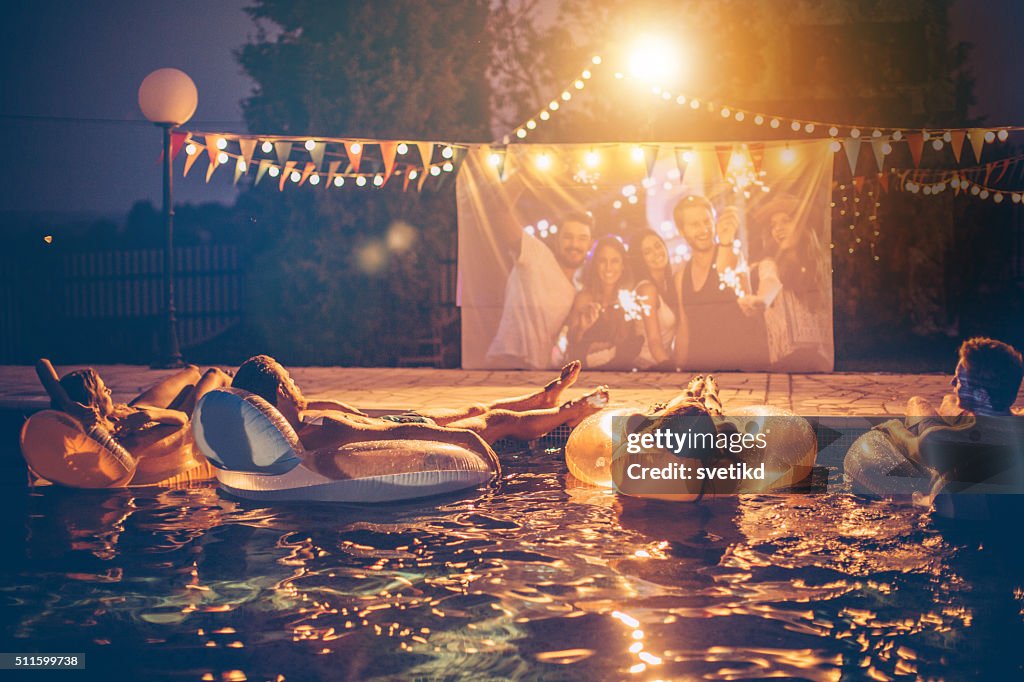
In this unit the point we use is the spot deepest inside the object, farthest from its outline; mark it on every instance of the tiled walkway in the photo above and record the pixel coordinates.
(404, 389)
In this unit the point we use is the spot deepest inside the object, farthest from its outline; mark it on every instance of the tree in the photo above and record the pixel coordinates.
(324, 286)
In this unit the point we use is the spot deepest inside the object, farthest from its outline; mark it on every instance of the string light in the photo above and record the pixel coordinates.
(361, 181)
(339, 181)
(222, 144)
(402, 148)
(314, 179)
(273, 171)
(267, 146)
(310, 145)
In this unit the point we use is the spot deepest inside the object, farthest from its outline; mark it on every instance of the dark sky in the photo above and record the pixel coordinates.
(85, 59)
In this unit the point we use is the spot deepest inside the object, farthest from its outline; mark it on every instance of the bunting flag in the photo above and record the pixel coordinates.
(190, 159)
(682, 154)
(426, 153)
(285, 172)
(977, 138)
(332, 170)
(209, 171)
(262, 170)
(247, 145)
(500, 153)
(957, 138)
(213, 150)
(724, 153)
(423, 178)
(354, 157)
(650, 156)
(756, 151)
(241, 168)
(852, 146)
(858, 183)
(405, 182)
(310, 167)
(317, 154)
(177, 142)
(878, 147)
(915, 141)
(387, 152)
(883, 181)
(283, 151)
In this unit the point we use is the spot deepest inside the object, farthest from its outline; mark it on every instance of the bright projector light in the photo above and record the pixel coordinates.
(654, 60)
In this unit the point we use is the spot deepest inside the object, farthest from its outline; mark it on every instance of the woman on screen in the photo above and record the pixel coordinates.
(657, 297)
(605, 317)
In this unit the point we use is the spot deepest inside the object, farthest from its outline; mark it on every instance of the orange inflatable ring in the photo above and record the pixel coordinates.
(60, 449)
(789, 457)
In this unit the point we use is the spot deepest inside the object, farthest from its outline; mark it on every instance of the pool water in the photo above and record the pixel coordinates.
(536, 578)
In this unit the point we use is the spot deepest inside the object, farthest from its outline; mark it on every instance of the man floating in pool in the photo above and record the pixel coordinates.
(525, 417)
(972, 443)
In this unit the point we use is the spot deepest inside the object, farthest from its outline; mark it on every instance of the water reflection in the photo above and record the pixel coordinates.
(540, 578)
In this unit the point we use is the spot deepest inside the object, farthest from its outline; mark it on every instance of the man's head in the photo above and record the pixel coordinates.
(265, 377)
(575, 234)
(695, 219)
(988, 375)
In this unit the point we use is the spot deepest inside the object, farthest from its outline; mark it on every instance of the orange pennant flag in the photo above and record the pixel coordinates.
(283, 151)
(310, 167)
(317, 154)
(209, 171)
(387, 152)
(858, 183)
(191, 159)
(426, 153)
(977, 138)
(332, 170)
(262, 170)
(355, 154)
(247, 145)
(957, 138)
(915, 141)
(422, 179)
(756, 150)
(1002, 169)
(213, 150)
(883, 181)
(285, 173)
(724, 153)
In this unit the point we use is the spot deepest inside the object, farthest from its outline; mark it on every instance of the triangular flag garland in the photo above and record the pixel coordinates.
(190, 159)
(915, 141)
(282, 149)
(354, 150)
(650, 157)
(756, 151)
(317, 154)
(724, 153)
(310, 167)
(956, 139)
(288, 166)
(178, 140)
(977, 138)
(262, 170)
(426, 152)
(878, 145)
(332, 171)
(682, 161)
(213, 149)
(387, 152)
(241, 167)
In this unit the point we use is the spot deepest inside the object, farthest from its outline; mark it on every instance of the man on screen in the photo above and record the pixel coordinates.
(713, 332)
(539, 292)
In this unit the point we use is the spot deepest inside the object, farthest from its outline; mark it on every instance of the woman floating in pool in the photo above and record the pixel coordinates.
(525, 417)
(151, 430)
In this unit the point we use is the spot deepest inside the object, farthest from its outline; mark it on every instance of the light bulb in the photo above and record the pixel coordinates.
(448, 152)
(448, 166)
(855, 133)
(591, 158)
(578, 85)
(833, 131)
(314, 179)
(990, 136)
(378, 180)
(295, 176)
(267, 147)
(310, 145)
(543, 161)
(1003, 134)
(402, 148)
(795, 125)
(809, 128)
(544, 115)
(494, 159)
(531, 124)
(356, 147)
(190, 149)
(222, 143)
(413, 174)
(274, 171)
(637, 154)
(339, 181)
(361, 181)
(521, 133)
(222, 158)
(835, 146)
(435, 170)
(774, 123)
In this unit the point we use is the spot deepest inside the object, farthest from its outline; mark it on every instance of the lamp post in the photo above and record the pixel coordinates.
(168, 98)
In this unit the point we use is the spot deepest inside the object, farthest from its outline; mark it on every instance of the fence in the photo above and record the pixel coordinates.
(107, 306)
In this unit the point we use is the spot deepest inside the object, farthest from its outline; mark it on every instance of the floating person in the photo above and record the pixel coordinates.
(143, 442)
(964, 459)
(525, 417)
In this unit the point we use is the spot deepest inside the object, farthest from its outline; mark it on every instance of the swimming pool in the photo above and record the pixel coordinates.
(535, 578)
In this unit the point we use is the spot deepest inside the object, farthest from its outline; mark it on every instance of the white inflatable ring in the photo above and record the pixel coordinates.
(257, 455)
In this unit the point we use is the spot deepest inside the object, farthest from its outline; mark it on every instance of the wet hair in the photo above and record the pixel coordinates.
(590, 279)
(82, 386)
(994, 366)
(691, 201)
(262, 376)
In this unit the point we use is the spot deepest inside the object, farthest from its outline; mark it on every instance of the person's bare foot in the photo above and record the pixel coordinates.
(710, 397)
(552, 393)
(586, 405)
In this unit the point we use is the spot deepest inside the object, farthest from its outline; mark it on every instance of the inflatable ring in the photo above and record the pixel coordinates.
(874, 465)
(257, 455)
(789, 458)
(60, 449)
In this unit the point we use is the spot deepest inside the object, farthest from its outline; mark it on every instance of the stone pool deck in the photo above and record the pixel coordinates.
(399, 389)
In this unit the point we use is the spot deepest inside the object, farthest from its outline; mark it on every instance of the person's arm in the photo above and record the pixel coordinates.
(335, 405)
(51, 383)
(144, 414)
(651, 326)
(583, 315)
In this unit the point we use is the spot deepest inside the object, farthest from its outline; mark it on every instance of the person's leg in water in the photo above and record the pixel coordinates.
(494, 425)
(546, 398)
